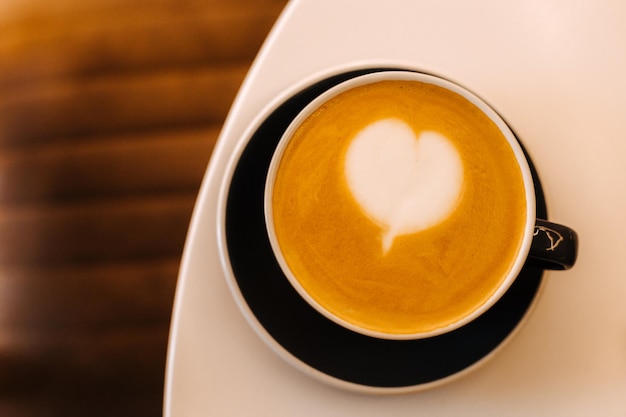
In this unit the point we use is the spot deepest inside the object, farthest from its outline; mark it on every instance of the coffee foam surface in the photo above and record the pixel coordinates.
(427, 279)
(405, 183)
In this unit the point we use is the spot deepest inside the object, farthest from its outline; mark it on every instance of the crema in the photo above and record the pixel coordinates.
(399, 206)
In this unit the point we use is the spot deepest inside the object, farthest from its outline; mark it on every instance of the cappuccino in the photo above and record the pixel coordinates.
(397, 206)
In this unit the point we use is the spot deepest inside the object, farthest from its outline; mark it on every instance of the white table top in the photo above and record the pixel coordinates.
(555, 71)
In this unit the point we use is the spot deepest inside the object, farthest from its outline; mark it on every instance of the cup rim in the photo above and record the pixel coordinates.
(436, 80)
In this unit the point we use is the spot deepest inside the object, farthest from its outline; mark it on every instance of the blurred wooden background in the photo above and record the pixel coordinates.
(109, 110)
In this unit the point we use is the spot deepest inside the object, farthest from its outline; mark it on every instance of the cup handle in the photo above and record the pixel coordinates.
(554, 246)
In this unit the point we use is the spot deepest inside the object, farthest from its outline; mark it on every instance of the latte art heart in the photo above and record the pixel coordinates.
(404, 183)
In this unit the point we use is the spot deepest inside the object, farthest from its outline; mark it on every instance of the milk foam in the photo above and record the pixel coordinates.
(403, 182)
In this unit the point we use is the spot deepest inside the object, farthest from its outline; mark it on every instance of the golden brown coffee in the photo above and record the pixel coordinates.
(421, 280)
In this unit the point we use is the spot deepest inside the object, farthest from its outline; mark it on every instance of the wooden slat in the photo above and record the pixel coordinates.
(79, 337)
(136, 39)
(118, 104)
(43, 10)
(97, 231)
(86, 297)
(110, 167)
(117, 372)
